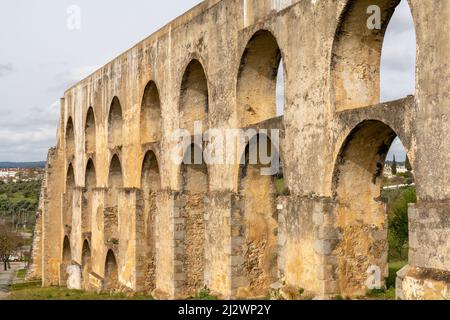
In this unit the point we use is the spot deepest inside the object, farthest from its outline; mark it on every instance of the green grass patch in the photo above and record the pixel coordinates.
(280, 186)
(204, 295)
(34, 291)
(21, 274)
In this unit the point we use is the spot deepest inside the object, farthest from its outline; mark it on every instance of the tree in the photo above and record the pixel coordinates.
(394, 167)
(10, 241)
(408, 165)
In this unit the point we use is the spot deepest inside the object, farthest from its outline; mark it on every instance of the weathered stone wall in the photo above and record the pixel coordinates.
(190, 237)
(429, 230)
(35, 264)
(35, 269)
(203, 67)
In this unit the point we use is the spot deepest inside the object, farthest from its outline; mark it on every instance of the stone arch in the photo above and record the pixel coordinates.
(194, 97)
(66, 260)
(150, 175)
(86, 264)
(399, 50)
(90, 132)
(67, 251)
(281, 90)
(69, 197)
(115, 183)
(357, 232)
(194, 171)
(257, 79)
(111, 279)
(356, 55)
(258, 219)
(194, 187)
(115, 124)
(151, 184)
(150, 118)
(70, 138)
(90, 182)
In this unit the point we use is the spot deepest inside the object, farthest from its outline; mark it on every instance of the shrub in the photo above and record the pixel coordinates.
(398, 223)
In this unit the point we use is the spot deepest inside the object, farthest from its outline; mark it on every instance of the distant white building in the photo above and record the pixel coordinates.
(387, 172)
(6, 174)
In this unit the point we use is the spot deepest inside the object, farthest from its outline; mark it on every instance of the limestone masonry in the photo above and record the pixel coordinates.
(117, 213)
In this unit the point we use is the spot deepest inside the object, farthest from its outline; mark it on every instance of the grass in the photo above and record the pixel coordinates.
(204, 295)
(389, 293)
(21, 274)
(281, 187)
(34, 291)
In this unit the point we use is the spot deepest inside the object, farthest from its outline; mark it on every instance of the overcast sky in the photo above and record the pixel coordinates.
(40, 57)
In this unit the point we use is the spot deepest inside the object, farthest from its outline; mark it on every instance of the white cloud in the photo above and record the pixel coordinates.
(398, 150)
(399, 56)
(5, 69)
(68, 78)
(28, 122)
(398, 65)
(27, 137)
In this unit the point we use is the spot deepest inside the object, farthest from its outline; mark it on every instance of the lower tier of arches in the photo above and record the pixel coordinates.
(219, 242)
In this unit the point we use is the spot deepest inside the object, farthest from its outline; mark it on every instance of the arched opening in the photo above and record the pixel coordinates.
(361, 220)
(89, 184)
(115, 183)
(115, 124)
(70, 187)
(90, 131)
(67, 252)
(150, 114)
(86, 265)
(357, 52)
(258, 219)
(257, 80)
(194, 171)
(151, 184)
(70, 138)
(281, 96)
(194, 97)
(66, 260)
(111, 280)
(194, 174)
(398, 58)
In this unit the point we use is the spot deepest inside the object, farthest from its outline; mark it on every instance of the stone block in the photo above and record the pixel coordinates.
(323, 247)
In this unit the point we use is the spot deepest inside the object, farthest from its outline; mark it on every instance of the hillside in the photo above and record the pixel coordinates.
(22, 165)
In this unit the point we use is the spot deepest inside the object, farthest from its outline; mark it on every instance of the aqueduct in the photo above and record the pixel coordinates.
(115, 205)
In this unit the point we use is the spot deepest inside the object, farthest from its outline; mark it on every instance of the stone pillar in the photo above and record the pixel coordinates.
(98, 253)
(76, 239)
(141, 249)
(128, 236)
(167, 268)
(256, 255)
(52, 219)
(238, 279)
(428, 274)
(427, 277)
(35, 268)
(306, 241)
(218, 243)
